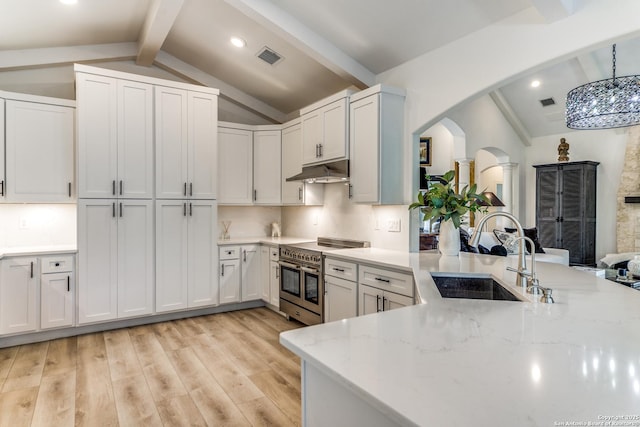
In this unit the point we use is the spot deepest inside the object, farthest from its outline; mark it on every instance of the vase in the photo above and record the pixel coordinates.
(449, 239)
(634, 266)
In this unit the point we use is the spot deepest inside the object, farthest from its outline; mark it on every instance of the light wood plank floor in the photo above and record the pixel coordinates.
(225, 369)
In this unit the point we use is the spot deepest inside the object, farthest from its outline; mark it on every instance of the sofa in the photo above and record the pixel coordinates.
(559, 256)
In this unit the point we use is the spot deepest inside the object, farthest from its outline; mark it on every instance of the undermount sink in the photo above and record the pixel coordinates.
(471, 287)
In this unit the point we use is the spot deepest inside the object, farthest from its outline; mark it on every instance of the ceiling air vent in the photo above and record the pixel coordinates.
(548, 101)
(269, 56)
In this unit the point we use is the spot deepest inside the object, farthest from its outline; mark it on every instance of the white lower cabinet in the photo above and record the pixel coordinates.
(18, 295)
(229, 272)
(270, 274)
(250, 277)
(186, 254)
(383, 290)
(115, 259)
(57, 286)
(340, 289)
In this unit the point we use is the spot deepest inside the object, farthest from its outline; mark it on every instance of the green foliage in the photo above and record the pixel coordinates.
(441, 201)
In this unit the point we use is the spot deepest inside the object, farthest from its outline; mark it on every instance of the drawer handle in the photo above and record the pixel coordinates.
(380, 279)
(341, 270)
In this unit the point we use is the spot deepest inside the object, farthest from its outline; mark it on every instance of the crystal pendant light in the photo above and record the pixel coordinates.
(605, 104)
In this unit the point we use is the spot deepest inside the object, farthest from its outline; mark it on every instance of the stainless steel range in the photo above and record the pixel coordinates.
(301, 277)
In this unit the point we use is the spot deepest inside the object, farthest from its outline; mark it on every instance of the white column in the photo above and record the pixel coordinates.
(507, 190)
(464, 178)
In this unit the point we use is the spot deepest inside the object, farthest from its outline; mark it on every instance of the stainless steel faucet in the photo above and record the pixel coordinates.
(522, 272)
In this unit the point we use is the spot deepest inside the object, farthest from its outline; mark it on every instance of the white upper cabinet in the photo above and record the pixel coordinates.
(115, 137)
(235, 166)
(186, 144)
(267, 167)
(3, 189)
(376, 123)
(324, 130)
(293, 191)
(39, 151)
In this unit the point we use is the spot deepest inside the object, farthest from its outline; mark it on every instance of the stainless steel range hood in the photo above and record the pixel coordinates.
(325, 173)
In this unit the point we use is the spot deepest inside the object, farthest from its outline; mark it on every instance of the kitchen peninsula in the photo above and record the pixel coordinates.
(461, 362)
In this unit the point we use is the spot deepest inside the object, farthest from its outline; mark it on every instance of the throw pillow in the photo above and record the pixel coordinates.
(483, 250)
(464, 242)
(507, 240)
(531, 233)
(499, 250)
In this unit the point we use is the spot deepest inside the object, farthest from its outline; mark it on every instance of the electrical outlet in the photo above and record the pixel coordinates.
(393, 225)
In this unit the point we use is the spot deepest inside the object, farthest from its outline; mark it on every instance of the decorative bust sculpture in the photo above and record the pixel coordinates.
(563, 151)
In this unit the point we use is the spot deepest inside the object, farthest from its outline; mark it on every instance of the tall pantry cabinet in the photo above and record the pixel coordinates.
(140, 151)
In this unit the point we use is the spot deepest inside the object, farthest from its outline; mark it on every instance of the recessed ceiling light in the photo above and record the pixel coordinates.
(535, 83)
(68, 1)
(238, 42)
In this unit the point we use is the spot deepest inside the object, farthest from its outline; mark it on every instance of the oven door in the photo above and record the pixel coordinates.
(290, 282)
(312, 290)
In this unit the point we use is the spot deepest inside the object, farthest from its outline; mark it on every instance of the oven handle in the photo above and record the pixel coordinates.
(310, 270)
(287, 264)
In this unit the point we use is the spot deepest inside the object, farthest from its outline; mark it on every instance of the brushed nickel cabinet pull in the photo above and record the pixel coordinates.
(300, 193)
(31, 273)
(222, 270)
(69, 189)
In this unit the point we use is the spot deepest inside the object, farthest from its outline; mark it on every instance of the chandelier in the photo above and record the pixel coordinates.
(605, 104)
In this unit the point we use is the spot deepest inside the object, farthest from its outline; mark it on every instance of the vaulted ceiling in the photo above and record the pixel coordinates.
(325, 45)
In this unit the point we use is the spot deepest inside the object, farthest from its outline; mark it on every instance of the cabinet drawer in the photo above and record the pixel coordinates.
(274, 254)
(229, 252)
(58, 264)
(387, 280)
(342, 269)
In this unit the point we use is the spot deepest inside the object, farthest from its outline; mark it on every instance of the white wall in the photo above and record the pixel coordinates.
(442, 151)
(604, 146)
(37, 225)
(248, 221)
(339, 217)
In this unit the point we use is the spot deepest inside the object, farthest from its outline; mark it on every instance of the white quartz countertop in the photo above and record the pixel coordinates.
(37, 250)
(264, 240)
(462, 362)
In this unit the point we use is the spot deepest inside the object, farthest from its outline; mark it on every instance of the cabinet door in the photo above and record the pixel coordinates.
(340, 299)
(369, 300)
(171, 255)
(203, 145)
(96, 110)
(3, 190)
(364, 161)
(202, 253)
(274, 283)
(235, 166)
(229, 281)
(97, 260)
(334, 123)
(265, 273)
(292, 192)
(135, 140)
(39, 150)
(172, 156)
(547, 213)
(572, 212)
(56, 300)
(250, 283)
(135, 258)
(312, 137)
(18, 295)
(391, 301)
(267, 167)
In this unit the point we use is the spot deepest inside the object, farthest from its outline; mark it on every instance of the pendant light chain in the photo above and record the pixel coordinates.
(614, 63)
